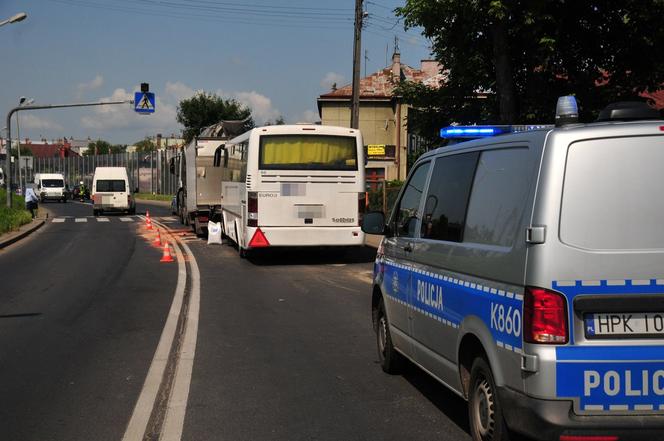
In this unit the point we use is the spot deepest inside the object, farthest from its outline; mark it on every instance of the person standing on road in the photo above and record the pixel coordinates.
(31, 200)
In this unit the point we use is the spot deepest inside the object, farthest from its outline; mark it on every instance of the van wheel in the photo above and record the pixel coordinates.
(484, 411)
(390, 360)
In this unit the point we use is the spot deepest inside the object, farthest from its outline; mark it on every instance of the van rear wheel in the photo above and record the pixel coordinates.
(485, 413)
(390, 360)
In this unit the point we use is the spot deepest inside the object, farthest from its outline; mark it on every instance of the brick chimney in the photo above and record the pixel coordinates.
(396, 65)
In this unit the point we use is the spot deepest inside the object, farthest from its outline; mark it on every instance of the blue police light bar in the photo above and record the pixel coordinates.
(452, 132)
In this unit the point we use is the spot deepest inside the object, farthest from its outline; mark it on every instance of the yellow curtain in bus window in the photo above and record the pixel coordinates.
(303, 151)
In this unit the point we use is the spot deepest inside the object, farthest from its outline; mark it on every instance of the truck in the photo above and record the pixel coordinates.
(198, 198)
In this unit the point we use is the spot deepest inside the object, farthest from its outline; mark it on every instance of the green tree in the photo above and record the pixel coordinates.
(205, 109)
(144, 145)
(98, 147)
(520, 55)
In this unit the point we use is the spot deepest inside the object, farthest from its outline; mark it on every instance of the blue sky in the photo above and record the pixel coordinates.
(276, 57)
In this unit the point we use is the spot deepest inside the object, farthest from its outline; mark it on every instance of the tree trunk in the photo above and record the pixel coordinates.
(504, 78)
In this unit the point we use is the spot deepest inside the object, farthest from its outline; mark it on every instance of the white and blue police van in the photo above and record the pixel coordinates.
(525, 272)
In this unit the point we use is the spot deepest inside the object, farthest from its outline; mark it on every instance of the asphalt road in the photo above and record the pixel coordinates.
(82, 306)
(285, 348)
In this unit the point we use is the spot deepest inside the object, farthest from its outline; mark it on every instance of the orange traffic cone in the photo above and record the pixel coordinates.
(167, 254)
(148, 223)
(147, 214)
(157, 240)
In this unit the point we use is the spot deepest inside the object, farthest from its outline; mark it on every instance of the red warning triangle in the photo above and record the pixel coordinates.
(259, 240)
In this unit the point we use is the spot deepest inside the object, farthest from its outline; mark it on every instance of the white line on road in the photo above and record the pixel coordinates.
(177, 403)
(81, 219)
(103, 219)
(58, 220)
(126, 219)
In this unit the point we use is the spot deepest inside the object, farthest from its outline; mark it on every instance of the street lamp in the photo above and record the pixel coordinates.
(15, 19)
(22, 101)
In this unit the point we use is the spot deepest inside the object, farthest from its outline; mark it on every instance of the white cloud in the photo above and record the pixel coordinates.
(308, 116)
(179, 91)
(331, 78)
(260, 105)
(29, 121)
(122, 116)
(95, 83)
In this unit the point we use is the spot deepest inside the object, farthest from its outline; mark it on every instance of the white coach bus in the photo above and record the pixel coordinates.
(293, 185)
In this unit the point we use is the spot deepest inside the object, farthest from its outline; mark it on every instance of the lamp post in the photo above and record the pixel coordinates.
(22, 101)
(49, 106)
(15, 18)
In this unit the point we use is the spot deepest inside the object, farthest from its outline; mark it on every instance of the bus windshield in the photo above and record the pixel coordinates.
(308, 152)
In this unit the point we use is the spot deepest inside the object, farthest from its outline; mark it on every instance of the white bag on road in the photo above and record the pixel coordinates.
(214, 232)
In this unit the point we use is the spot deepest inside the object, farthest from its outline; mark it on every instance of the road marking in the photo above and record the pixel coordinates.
(146, 401)
(178, 393)
(58, 220)
(103, 219)
(177, 403)
(126, 219)
(81, 219)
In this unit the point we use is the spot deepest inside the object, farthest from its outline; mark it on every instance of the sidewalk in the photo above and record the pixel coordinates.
(151, 202)
(7, 239)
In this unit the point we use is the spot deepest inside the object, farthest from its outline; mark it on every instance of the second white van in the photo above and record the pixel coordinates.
(111, 191)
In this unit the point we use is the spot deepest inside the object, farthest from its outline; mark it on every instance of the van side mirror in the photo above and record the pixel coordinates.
(374, 223)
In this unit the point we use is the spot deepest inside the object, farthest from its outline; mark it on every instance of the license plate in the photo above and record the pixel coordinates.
(633, 325)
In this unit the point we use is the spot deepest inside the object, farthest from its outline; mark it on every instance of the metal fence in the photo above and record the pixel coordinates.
(148, 172)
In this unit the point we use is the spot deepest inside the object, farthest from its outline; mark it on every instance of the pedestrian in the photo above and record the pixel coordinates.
(31, 200)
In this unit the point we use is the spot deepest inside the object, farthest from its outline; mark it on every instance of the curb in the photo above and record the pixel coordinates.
(151, 202)
(14, 236)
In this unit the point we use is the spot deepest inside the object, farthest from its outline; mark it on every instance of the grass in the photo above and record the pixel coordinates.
(12, 218)
(153, 197)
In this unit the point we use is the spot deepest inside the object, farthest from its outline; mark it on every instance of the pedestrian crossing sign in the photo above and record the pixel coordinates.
(144, 102)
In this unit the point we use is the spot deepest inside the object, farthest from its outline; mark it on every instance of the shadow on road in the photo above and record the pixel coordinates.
(449, 403)
(311, 256)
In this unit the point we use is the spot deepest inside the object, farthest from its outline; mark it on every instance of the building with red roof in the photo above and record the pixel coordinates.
(383, 114)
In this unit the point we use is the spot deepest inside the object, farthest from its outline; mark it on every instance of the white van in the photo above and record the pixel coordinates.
(111, 191)
(50, 187)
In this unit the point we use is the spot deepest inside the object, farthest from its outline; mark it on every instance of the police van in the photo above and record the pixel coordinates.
(525, 272)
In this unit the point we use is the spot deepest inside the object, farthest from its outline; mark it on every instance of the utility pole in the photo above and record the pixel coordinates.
(357, 48)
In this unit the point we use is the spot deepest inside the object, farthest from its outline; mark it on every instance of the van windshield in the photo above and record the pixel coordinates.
(612, 197)
(110, 185)
(308, 152)
(53, 183)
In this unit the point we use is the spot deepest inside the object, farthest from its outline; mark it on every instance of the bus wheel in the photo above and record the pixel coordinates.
(390, 360)
(484, 411)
